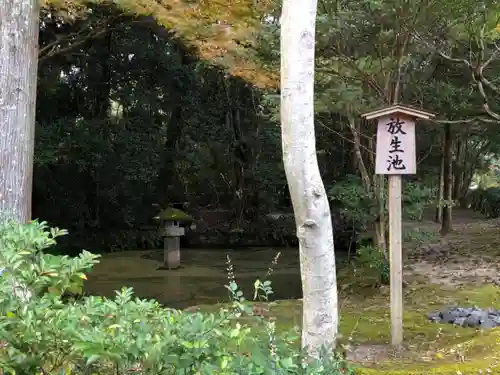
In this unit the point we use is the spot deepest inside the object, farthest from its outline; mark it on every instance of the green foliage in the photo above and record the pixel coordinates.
(416, 197)
(372, 265)
(373, 259)
(418, 236)
(489, 175)
(142, 120)
(41, 333)
(486, 201)
(359, 207)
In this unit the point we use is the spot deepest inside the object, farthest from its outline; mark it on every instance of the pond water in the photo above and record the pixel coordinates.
(201, 278)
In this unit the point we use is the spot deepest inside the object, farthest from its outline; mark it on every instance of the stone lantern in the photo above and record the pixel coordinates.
(171, 220)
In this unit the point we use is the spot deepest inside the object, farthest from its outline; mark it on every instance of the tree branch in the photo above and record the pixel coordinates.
(486, 105)
(441, 53)
(477, 73)
(468, 121)
(344, 137)
(86, 34)
(54, 51)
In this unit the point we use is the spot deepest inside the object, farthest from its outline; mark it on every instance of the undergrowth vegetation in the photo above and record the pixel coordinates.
(42, 331)
(486, 201)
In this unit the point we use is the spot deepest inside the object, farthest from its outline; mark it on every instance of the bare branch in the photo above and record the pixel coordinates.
(489, 84)
(365, 177)
(486, 106)
(344, 137)
(78, 38)
(468, 121)
(426, 155)
(61, 51)
(441, 53)
(477, 74)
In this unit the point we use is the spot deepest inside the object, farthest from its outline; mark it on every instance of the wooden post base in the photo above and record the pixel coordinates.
(396, 261)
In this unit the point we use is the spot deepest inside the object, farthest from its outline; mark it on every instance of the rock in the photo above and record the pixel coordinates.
(472, 321)
(460, 321)
(480, 315)
(473, 317)
(488, 324)
(434, 317)
(465, 311)
(449, 316)
(492, 311)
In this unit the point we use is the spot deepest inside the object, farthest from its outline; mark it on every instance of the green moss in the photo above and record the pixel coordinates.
(477, 355)
(173, 214)
(440, 349)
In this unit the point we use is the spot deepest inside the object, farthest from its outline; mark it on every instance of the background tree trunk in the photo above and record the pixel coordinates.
(380, 224)
(375, 184)
(440, 194)
(18, 80)
(448, 179)
(310, 203)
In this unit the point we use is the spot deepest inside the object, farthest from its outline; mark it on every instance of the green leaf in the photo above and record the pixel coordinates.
(233, 286)
(92, 359)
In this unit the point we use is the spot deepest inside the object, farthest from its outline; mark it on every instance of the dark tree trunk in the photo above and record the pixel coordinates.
(448, 180)
(18, 79)
(440, 195)
(102, 105)
(459, 171)
(99, 83)
(99, 79)
(167, 176)
(165, 189)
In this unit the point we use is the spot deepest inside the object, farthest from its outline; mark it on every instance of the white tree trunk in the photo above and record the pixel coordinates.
(310, 203)
(18, 79)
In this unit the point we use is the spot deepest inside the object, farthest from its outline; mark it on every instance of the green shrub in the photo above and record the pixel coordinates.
(416, 197)
(356, 206)
(371, 258)
(486, 201)
(359, 207)
(42, 333)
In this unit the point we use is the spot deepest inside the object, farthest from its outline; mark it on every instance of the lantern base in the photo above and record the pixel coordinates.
(171, 253)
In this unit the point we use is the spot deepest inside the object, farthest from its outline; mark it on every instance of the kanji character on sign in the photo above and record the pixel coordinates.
(395, 126)
(396, 145)
(395, 162)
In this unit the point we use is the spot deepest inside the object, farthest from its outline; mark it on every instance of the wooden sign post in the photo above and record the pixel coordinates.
(395, 156)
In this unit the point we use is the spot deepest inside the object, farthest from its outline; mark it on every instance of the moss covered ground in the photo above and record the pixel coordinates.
(429, 348)
(458, 269)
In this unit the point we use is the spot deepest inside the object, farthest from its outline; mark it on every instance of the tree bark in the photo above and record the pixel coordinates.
(440, 195)
(18, 79)
(448, 180)
(363, 171)
(166, 192)
(380, 223)
(459, 170)
(375, 185)
(309, 200)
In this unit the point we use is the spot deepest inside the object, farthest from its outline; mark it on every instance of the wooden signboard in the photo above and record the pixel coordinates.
(395, 152)
(395, 156)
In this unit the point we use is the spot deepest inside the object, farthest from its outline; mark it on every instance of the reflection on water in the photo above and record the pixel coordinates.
(202, 278)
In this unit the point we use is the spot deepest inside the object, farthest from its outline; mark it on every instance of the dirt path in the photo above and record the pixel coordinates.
(470, 254)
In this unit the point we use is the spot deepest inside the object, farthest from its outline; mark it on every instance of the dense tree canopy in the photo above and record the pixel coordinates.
(221, 31)
(167, 102)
